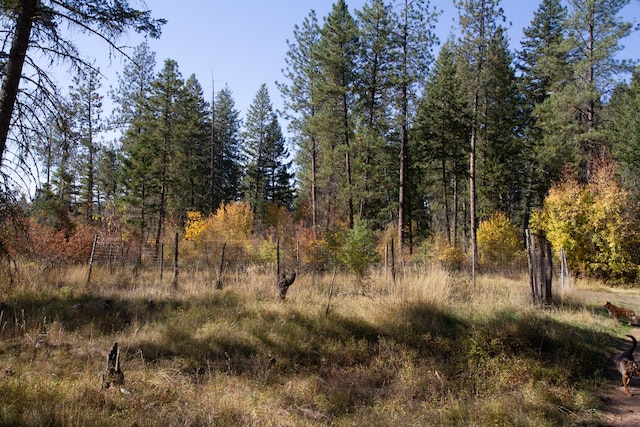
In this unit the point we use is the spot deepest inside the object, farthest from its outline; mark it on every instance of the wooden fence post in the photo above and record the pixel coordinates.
(174, 281)
(93, 252)
(564, 270)
(546, 269)
(218, 281)
(161, 260)
(386, 260)
(393, 264)
(278, 257)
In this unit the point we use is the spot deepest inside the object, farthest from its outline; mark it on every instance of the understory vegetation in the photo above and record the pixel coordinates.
(425, 349)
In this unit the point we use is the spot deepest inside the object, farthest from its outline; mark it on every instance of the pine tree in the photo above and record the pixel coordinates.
(300, 108)
(478, 21)
(595, 30)
(264, 151)
(59, 156)
(441, 131)
(134, 86)
(335, 96)
(545, 66)
(35, 31)
(374, 157)
(278, 188)
(193, 150)
(501, 157)
(228, 169)
(138, 151)
(87, 110)
(415, 40)
(166, 135)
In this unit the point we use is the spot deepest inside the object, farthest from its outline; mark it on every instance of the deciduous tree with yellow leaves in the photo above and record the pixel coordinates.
(595, 223)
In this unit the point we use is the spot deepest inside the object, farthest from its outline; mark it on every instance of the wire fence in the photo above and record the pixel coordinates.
(215, 256)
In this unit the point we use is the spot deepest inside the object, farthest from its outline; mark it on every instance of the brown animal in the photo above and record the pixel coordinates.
(618, 312)
(627, 365)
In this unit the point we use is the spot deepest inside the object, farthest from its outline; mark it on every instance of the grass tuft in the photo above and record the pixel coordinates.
(429, 349)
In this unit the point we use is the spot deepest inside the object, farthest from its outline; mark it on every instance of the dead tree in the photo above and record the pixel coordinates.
(283, 284)
(540, 268)
(113, 376)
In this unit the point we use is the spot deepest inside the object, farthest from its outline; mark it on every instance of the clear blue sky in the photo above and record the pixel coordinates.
(242, 43)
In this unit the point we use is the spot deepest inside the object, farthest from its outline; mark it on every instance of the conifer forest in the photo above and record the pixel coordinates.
(388, 135)
(402, 229)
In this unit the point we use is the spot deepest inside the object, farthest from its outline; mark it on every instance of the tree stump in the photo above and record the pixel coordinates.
(113, 376)
(283, 284)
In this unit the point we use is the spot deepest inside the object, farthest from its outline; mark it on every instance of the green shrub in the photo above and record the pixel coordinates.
(359, 249)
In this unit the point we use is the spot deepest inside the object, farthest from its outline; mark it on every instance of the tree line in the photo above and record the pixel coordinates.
(391, 130)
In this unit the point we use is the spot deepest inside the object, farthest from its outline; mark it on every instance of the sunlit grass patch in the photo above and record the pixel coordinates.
(339, 351)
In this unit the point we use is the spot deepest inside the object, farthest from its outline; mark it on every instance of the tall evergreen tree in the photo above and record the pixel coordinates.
(193, 148)
(59, 154)
(87, 109)
(279, 185)
(132, 113)
(265, 152)
(501, 157)
(595, 30)
(228, 173)
(544, 63)
(166, 134)
(134, 86)
(415, 40)
(300, 108)
(375, 158)
(335, 96)
(478, 22)
(441, 149)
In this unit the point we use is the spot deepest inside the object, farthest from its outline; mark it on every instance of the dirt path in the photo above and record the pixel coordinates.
(623, 411)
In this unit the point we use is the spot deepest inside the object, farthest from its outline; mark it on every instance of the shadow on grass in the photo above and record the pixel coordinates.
(104, 316)
(416, 352)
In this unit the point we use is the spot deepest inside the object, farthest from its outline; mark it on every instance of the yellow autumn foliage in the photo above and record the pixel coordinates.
(231, 225)
(498, 242)
(195, 227)
(595, 223)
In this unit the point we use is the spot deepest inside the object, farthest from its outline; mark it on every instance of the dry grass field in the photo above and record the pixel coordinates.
(427, 350)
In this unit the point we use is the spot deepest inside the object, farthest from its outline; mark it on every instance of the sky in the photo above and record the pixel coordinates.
(243, 43)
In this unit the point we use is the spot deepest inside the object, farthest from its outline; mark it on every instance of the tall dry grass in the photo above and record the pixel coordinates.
(425, 349)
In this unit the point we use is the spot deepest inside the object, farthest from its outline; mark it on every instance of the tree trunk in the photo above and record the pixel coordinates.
(402, 190)
(472, 189)
(455, 206)
(314, 192)
(13, 68)
(445, 200)
(212, 153)
(345, 112)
